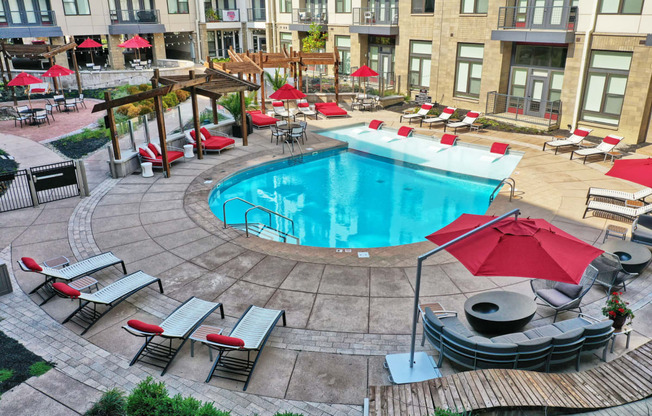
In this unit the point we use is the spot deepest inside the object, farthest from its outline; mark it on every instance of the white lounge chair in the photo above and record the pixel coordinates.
(497, 151)
(177, 326)
(608, 144)
(618, 195)
(574, 140)
(306, 110)
(68, 273)
(442, 118)
(108, 297)
(376, 124)
(280, 111)
(249, 334)
(446, 142)
(468, 121)
(422, 113)
(619, 210)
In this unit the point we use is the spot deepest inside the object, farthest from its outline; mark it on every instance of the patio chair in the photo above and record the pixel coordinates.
(446, 142)
(49, 110)
(419, 115)
(468, 121)
(277, 133)
(68, 273)
(611, 273)
(59, 100)
(618, 195)
(20, 117)
(176, 327)
(441, 118)
(376, 124)
(80, 100)
(306, 110)
(574, 140)
(330, 110)
(248, 335)
(617, 210)
(497, 151)
(563, 296)
(607, 145)
(86, 315)
(368, 104)
(405, 131)
(280, 111)
(295, 135)
(210, 142)
(41, 117)
(70, 104)
(304, 127)
(642, 230)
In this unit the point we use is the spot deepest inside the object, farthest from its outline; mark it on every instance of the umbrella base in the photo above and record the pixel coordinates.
(424, 368)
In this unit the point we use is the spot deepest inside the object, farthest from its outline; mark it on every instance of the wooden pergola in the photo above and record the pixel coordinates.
(36, 52)
(212, 84)
(253, 64)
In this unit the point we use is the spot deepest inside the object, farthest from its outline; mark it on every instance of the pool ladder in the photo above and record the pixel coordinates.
(507, 181)
(264, 230)
(290, 145)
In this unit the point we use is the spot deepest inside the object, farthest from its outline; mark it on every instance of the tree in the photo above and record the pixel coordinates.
(232, 104)
(316, 40)
(278, 80)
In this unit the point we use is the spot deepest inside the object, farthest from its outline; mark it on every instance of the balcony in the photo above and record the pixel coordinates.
(524, 111)
(256, 15)
(28, 23)
(375, 21)
(131, 21)
(303, 18)
(554, 24)
(229, 16)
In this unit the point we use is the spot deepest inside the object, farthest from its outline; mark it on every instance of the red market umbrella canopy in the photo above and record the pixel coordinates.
(22, 80)
(364, 71)
(136, 42)
(89, 43)
(57, 71)
(517, 247)
(635, 170)
(287, 92)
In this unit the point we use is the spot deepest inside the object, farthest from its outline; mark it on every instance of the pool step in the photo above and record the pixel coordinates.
(263, 231)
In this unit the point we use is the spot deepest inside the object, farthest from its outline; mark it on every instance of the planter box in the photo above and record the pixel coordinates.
(5, 282)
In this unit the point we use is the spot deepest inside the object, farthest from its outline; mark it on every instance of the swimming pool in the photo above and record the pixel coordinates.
(349, 198)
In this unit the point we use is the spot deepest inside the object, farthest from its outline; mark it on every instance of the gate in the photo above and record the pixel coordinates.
(14, 191)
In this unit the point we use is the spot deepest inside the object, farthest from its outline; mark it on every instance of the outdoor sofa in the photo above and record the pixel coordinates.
(152, 153)
(534, 349)
(330, 110)
(642, 230)
(261, 120)
(210, 142)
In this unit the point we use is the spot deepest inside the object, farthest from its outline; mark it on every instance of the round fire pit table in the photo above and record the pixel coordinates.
(633, 256)
(499, 312)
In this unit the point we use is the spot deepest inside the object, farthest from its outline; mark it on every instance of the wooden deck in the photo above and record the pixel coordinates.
(626, 379)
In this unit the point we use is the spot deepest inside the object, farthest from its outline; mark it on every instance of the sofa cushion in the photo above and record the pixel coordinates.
(31, 264)
(146, 152)
(543, 331)
(478, 339)
(259, 119)
(571, 324)
(569, 289)
(495, 355)
(205, 133)
(434, 320)
(515, 337)
(568, 337)
(598, 328)
(375, 124)
(499, 148)
(405, 131)
(553, 297)
(448, 139)
(218, 142)
(454, 324)
(534, 344)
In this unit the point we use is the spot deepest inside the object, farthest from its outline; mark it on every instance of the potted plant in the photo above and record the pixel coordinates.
(231, 103)
(212, 16)
(617, 310)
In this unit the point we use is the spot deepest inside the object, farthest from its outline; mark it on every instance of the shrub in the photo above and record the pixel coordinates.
(149, 399)
(6, 374)
(144, 87)
(182, 95)
(132, 89)
(170, 100)
(112, 403)
(446, 412)
(39, 368)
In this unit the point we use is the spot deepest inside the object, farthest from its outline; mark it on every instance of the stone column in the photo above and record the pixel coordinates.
(203, 36)
(269, 37)
(62, 58)
(116, 58)
(158, 47)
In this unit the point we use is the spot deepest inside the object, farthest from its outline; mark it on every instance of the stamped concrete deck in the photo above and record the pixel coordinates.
(344, 313)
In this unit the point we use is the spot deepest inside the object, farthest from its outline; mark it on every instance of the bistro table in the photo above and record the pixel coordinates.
(499, 311)
(31, 112)
(634, 257)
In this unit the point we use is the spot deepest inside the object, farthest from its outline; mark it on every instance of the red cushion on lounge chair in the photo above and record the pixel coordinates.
(473, 114)
(611, 140)
(303, 105)
(192, 134)
(259, 119)
(405, 131)
(144, 327)
(66, 290)
(217, 142)
(224, 340)
(581, 132)
(278, 104)
(448, 139)
(375, 124)
(145, 153)
(499, 148)
(204, 132)
(31, 264)
(426, 106)
(448, 110)
(154, 149)
(330, 109)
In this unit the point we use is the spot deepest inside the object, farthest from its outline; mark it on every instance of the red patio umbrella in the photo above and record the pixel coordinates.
(287, 92)
(635, 170)
(22, 80)
(58, 71)
(90, 43)
(364, 72)
(135, 43)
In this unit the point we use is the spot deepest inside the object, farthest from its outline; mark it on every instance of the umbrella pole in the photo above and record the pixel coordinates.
(425, 369)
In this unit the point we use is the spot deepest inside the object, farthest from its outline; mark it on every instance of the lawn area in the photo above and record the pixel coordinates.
(17, 363)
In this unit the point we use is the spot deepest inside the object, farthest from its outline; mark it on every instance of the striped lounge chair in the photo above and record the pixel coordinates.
(108, 297)
(608, 144)
(574, 140)
(442, 118)
(249, 334)
(176, 327)
(419, 115)
(68, 273)
(617, 210)
(618, 195)
(468, 121)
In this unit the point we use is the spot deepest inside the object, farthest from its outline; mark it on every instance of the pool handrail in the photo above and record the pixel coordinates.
(253, 206)
(506, 181)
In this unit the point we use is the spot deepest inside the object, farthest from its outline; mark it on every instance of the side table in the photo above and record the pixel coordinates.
(200, 335)
(57, 262)
(625, 330)
(616, 231)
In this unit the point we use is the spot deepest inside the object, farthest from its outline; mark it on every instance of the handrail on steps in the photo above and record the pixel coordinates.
(253, 206)
(507, 181)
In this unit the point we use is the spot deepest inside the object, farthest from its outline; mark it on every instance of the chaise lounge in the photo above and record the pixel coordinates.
(152, 153)
(260, 120)
(618, 195)
(330, 110)
(574, 140)
(468, 121)
(617, 210)
(442, 118)
(210, 142)
(608, 144)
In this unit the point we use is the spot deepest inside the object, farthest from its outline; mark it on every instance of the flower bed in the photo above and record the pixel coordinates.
(17, 363)
(79, 145)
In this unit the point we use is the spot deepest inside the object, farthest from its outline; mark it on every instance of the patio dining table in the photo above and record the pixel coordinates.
(31, 112)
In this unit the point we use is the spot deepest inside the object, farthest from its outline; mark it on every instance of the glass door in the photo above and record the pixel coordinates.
(537, 93)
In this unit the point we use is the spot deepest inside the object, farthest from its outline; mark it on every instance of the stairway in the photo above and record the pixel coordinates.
(268, 233)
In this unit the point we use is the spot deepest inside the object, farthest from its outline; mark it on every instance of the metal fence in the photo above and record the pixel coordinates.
(372, 16)
(310, 15)
(135, 16)
(528, 18)
(40, 184)
(542, 112)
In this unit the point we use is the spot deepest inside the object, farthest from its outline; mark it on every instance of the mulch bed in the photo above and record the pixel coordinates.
(20, 361)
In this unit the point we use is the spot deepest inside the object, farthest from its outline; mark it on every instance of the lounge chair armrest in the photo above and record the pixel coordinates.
(23, 267)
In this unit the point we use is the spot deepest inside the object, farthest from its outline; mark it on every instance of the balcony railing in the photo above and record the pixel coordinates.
(533, 18)
(256, 15)
(27, 18)
(543, 112)
(135, 16)
(310, 15)
(375, 16)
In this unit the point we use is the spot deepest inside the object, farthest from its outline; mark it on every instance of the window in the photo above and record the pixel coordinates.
(556, 82)
(286, 6)
(76, 7)
(621, 6)
(285, 40)
(543, 56)
(342, 6)
(423, 6)
(178, 6)
(220, 41)
(469, 70)
(474, 6)
(420, 59)
(343, 44)
(604, 92)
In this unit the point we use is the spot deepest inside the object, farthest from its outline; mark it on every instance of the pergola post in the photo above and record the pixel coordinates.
(300, 78)
(110, 120)
(54, 79)
(160, 123)
(74, 63)
(13, 89)
(195, 117)
(214, 106)
(243, 114)
(263, 97)
(336, 71)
